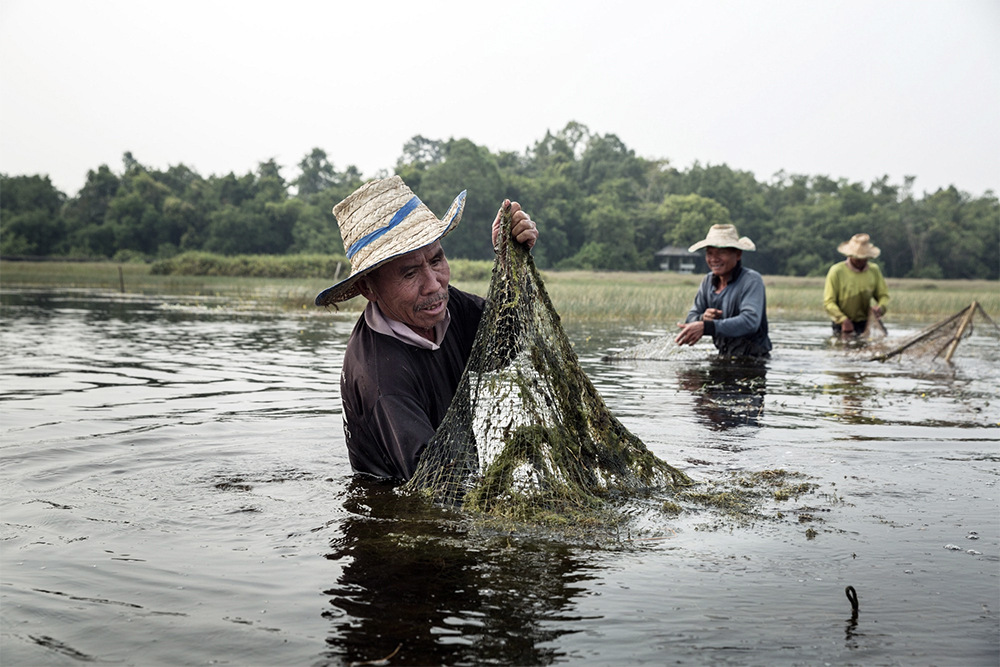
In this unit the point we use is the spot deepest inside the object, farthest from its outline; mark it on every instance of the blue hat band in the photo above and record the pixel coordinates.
(378, 233)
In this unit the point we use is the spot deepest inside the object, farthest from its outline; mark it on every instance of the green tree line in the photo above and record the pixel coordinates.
(598, 205)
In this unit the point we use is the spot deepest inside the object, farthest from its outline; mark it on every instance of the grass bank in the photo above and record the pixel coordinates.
(654, 298)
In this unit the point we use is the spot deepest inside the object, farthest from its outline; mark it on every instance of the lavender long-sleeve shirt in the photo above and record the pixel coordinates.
(742, 330)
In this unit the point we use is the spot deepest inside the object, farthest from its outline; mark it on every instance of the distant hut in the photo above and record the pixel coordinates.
(680, 260)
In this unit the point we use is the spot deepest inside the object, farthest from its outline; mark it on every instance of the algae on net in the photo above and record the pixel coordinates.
(527, 435)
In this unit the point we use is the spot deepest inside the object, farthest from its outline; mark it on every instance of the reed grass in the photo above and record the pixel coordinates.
(652, 298)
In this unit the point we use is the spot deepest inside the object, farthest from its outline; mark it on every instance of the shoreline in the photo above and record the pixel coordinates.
(640, 297)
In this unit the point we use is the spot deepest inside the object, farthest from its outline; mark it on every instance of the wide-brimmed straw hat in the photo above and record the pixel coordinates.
(859, 246)
(724, 236)
(380, 221)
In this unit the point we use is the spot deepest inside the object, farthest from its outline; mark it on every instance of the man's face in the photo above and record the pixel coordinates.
(412, 289)
(722, 261)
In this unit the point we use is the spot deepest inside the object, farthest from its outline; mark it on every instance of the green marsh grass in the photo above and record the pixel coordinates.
(635, 298)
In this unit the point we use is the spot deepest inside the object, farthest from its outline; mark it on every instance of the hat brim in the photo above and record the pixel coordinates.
(347, 288)
(871, 251)
(743, 243)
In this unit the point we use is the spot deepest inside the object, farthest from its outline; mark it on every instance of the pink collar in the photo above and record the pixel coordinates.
(379, 323)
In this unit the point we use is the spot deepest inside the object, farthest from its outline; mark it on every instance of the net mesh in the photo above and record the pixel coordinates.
(939, 340)
(661, 348)
(527, 432)
(874, 329)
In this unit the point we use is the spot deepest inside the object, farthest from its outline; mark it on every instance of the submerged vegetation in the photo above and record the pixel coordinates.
(745, 497)
(736, 500)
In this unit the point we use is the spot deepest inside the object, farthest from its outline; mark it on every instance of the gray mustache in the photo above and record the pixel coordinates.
(433, 300)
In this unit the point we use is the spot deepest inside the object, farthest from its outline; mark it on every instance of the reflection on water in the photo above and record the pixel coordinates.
(728, 392)
(416, 580)
(174, 489)
(854, 394)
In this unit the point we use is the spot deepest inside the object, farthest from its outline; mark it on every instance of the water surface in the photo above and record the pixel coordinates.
(175, 490)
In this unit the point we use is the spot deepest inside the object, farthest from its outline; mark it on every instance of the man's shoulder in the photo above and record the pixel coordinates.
(363, 338)
(377, 361)
(751, 276)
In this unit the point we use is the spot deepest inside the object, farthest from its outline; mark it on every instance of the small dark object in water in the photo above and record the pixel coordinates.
(852, 595)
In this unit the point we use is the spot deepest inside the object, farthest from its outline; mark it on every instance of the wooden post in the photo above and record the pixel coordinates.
(121, 278)
(961, 330)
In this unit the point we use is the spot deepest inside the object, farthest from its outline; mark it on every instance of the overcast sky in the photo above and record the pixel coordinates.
(851, 89)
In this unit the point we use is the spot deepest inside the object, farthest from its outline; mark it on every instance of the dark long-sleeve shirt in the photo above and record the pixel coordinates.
(395, 394)
(742, 330)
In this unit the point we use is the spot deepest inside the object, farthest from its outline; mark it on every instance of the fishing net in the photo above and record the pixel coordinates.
(939, 339)
(863, 345)
(527, 434)
(874, 329)
(661, 348)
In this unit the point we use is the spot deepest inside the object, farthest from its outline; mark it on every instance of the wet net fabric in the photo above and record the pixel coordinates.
(874, 329)
(940, 340)
(661, 348)
(526, 428)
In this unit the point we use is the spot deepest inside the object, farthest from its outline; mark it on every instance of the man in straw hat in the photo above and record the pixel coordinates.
(852, 284)
(407, 352)
(730, 305)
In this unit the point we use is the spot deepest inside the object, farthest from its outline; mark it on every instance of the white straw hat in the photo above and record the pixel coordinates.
(859, 246)
(380, 221)
(724, 236)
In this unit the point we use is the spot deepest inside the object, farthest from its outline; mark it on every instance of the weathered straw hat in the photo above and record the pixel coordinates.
(859, 246)
(380, 221)
(724, 236)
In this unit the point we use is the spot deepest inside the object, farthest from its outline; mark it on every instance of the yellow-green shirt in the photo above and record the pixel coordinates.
(849, 293)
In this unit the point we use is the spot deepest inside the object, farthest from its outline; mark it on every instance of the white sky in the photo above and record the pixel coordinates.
(850, 89)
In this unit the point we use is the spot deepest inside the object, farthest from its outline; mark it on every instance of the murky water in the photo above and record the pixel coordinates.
(175, 491)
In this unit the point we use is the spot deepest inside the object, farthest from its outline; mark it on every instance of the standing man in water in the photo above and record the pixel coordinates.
(408, 350)
(851, 285)
(730, 305)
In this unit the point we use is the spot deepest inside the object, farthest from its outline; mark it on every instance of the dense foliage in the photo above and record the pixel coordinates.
(196, 263)
(598, 205)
